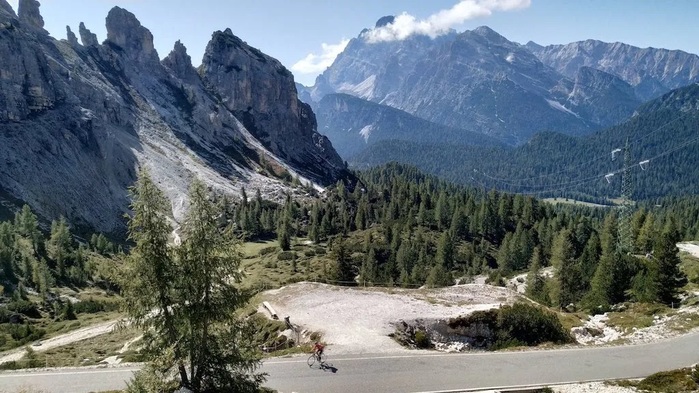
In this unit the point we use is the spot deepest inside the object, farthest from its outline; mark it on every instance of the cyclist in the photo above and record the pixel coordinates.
(318, 349)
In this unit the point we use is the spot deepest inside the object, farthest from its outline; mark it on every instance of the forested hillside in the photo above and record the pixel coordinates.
(664, 131)
(401, 227)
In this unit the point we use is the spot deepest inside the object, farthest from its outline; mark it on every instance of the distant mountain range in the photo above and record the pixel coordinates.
(664, 131)
(650, 71)
(479, 82)
(78, 120)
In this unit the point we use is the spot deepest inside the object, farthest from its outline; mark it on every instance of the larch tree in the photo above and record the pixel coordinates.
(220, 355)
(184, 297)
(149, 279)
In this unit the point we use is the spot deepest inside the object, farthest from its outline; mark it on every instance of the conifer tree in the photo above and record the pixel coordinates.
(536, 284)
(561, 291)
(445, 251)
(665, 252)
(600, 296)
(59, 245)
(220, 355)
(149, 280)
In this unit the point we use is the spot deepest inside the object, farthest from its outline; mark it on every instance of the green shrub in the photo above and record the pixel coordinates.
(5, 315)
(309, 253)
(320, 251)
(669, 381)
(286, 255)
(24, 307)
(521, 324)
(91, 306)
(23, 334)
(422, 340)
(529, 325)
(267, 250)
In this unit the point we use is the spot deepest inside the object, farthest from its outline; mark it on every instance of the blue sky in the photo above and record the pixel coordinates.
(291, 30)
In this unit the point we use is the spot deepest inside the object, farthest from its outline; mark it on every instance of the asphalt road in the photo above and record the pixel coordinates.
(418, 372)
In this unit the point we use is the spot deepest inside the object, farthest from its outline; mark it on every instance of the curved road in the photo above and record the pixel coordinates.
(418, 372)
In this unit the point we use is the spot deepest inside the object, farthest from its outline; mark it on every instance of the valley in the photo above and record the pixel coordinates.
(443, 209)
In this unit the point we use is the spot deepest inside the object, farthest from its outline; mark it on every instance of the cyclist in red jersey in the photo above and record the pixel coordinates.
(318, 349)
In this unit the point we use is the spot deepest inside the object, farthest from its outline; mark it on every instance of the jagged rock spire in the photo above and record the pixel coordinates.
(180, 62)
(124, 30)
(28, 11)
(72, 39)
(86, 36)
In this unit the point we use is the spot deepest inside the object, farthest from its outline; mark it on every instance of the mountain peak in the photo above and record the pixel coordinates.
(125, 31)
(488, 33)
(385, 20)
(180, 62)
(28, 12)
(70, 36)
(86, 36)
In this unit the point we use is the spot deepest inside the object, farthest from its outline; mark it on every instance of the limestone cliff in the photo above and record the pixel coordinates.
(76, 121)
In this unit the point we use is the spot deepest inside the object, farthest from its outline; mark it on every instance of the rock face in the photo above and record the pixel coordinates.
(126, 32)
(6, 8)
(475, 80)
(260, 92)
(28, 11)
(652, 72)
(87, 37)
(601, 97)
(70, 36)
(91, 115)
(353, 124)
(480, 81)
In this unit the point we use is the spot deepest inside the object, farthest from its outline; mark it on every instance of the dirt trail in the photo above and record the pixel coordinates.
(63, 339)
(690, 248)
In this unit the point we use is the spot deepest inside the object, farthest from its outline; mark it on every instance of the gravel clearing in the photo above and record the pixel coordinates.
(359, 320)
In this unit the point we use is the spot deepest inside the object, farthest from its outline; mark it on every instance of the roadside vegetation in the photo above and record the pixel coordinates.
(394, 228)
(51, 284)
(682, 380)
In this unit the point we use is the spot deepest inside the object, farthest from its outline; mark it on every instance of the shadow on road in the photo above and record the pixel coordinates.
(328, 367)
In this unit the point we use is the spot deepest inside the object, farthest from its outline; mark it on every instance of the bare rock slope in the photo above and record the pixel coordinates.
(76, 121)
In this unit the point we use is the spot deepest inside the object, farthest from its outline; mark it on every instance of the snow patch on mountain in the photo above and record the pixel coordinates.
(366, 131)
(557, 105)
(363, 89)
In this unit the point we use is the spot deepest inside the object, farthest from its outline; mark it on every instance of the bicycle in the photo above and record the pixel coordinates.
(316, 357)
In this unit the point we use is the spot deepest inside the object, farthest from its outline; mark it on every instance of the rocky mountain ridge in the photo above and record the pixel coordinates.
(77, 120)
(652, 72)
(353, 124)
(476, 80)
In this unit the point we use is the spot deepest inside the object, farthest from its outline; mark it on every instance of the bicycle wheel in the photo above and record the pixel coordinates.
(311, 360)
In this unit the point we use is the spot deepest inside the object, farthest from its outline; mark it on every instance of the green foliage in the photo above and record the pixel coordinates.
(668, 277)
(422, 340)
(553, 164)
(197, 332)
(521, 324)
(91, 306)
(675, 381)
(529, 325)
(68, 312)
(24, 307)
(286, 255)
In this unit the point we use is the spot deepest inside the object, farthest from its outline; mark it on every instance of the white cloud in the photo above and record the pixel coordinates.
(317, 63)
(441, 22)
